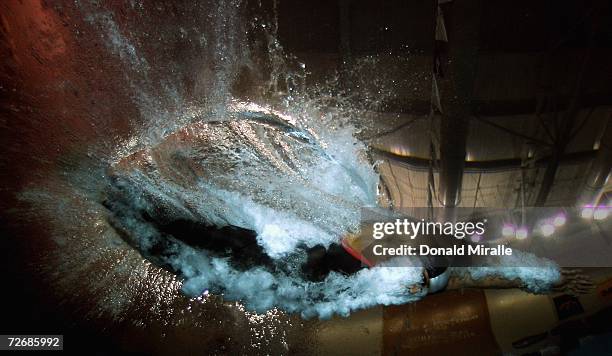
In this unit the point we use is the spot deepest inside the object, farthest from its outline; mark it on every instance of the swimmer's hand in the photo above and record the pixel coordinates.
(574, 282)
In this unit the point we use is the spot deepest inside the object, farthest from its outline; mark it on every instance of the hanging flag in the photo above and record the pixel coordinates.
(440, 27)
(435, 94)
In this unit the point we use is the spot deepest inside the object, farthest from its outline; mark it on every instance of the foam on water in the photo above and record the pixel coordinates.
(261, 290)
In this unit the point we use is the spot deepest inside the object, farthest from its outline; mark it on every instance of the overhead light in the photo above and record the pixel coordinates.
(547, 229)
(400, 150)
(476, 237)
(508, 230)
(522, 233)
(587, 212)
(600, 213)
(560, 220)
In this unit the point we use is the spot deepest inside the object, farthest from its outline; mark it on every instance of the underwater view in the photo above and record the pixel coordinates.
(177, 179)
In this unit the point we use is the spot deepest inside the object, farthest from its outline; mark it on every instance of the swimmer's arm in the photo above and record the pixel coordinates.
(464, 280)
(573, 281)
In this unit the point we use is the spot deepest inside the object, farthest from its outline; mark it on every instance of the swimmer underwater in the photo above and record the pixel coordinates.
(143, 211)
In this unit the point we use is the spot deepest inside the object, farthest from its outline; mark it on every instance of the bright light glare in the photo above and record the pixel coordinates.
(521, 233)
(560, 220)
(600, 213)
(547, 229)
(508, 231)
(476, 237)
(587, 212)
